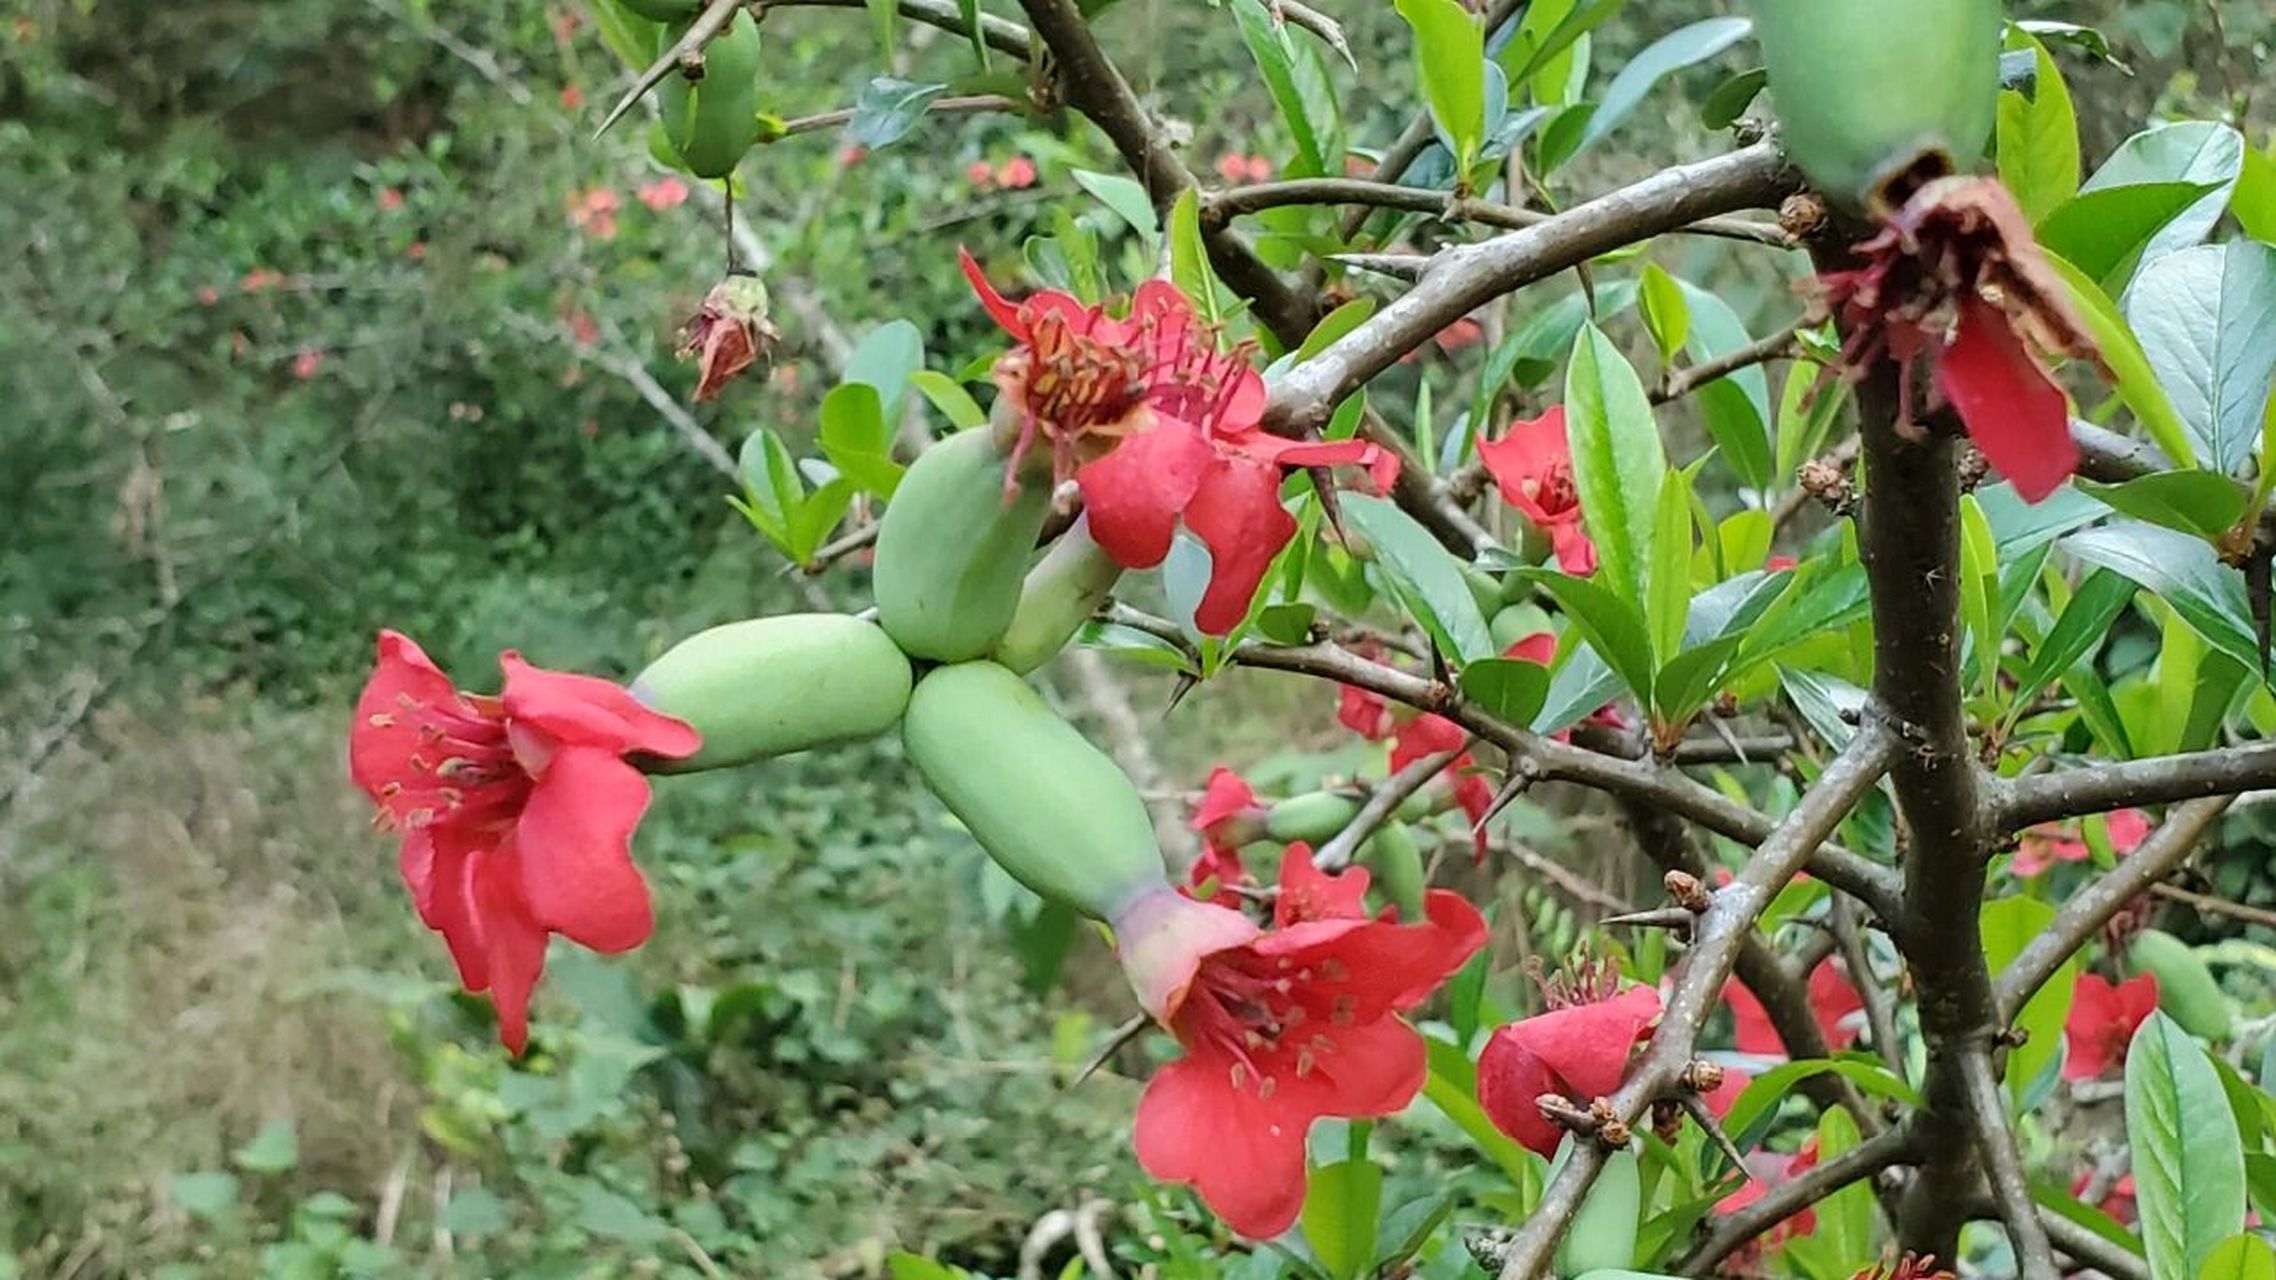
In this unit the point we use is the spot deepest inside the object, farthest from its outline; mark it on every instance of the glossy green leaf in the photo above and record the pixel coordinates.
(1271, 45)
(1979, 587)
(2084, 625)
(2201, 503)
(2138, 384)
(888, 108)
(1845, 1218)
(2243, 1256)
(1450, 60)
(2205, 152)
(1683, 47)
(1584, 683)
(1189, 258)
(1549, 31)
(1667, 603)
(2188, 1170)
(968, 11)
(2008, 925)
(1341, 1202)
(1737, 405)
(1750, 1115)
(1731, 99)
(1126, 197)
(1511, 690)
(1426, 575)
(2038, 138)
(2185, 573)
(272, 1150)
(2254, 202)
(1691, 679)
(948, 396)
(1618, 460)
(1452, 1087)
(2206, 318)
(1613, 626)
(2106, 232)
(1666, 316)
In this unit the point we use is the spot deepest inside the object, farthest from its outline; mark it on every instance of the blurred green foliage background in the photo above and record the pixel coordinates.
(322, 315)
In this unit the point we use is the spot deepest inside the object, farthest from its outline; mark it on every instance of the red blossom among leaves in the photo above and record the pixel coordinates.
(593, 212)
(1833, 1000)
(1532, 464)
(1364, 712)
(2041, 847)
(663, 193)
(1955, 276)
(1016, 173)
(2118, 1201)
(1766, 1170)
(572, 98)
(307, 363)
(1159, 426)
(1235, 167)
(1429, 735)
(1228, 817)
(1280, 1026)
(728, 334)
(1578, 1050)
(390, 199)
(516, 811)
(2102, 1022)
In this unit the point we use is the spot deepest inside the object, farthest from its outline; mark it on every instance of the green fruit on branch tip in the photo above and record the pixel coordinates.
(953, 549)
(1064, 589)
(1603, 1234)
(771, 686)
(2185, 987)
(1398, 864)
(1314, 817)
(710, 122)
(1048, 806)
(1865, 90)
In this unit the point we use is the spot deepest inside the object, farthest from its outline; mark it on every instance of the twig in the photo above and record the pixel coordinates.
(1344, 845)
(1002, 34)
(1558, 876)
(1690, 378)
(1696, 1107)
(2003, 1165)
(1716, 943)
(2070, 793)
(831, 552)
(1728, 1232)
(2211, 905)
(832, 119)
(2087, 910)
(1221, 207)
(2092, 1250)
(1880, 1012)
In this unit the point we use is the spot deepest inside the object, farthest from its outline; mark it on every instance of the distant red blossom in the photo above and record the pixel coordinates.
(1228, 817)
(2040, 848)
(592, 211)
(307, 363)
(2102, 1022)
(1235, 167)
(1833, 1001)
(663, 193)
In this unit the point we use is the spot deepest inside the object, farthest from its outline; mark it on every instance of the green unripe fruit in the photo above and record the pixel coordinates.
(1073, 579)
(663, 10)
(1314, 817)
(711, 122)
(1049, 807)
(2185, 987)
(1398, 864)
(1603, 1234)
(1485, 588)
(953, 550)
(772, 686)
(1865, 88)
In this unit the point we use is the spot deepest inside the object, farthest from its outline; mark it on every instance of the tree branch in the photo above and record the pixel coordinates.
(1716, 941)
(2003, 1164)
(1002, 35)
(1461, 279)
(2091, 1250)
(1731, 1231)
(1880, 1013)
(2084, 914)
(2070, 793)
(1684, 381)
(1381, 804)
(1221, 207)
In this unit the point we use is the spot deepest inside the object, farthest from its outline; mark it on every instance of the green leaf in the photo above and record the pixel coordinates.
(883, 15)
(2084, 625)
(2105, 232)
(886, 358)
(1668, 603)
(949, 396)
(857, 439)
(1736, 405)
(1126, 197)
(272, 1150)
(887, 109)
(1807, 407)
(2137, 384)
(2200, 151)
(2185, 573)
(1979, 587)
(1666, 316)
(1450, 60)
(2206, 318)
(2240, 1257)
(2201, 503)
(1613, 626)
(2254, 202)
(2008, 925)
(1548, 31)
(1845, 1218)
(1582, 685)
(606, 1214)
(1731, 99)
(476, 1211)
(1269, 43)
(1340, 1207)
(968, 11)
(1680, 48)
(2188, 1170)
(203, 1195)
(1509, 689)
(1189, 257)
(1757, 1105)
(1684, 685)
(1335, 325)
(1618, 460)
(1426, 575)
(2038, 138)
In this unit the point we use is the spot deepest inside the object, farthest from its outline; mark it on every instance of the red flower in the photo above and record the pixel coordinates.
(2117, 1202)
(728, 334)
(1533, 466)
(516, 811)
(2102, 1023)
(1181, 420)
(663, 193)
(1280, 1027)
(1016, 173)
(572, 97)
(2041, 847)
(1228, 817)
(980, 174)
(390, 199)
(307, 363)
(1364, 712)
(1765, 1170)
(1429, 735)
(1235, 167)
(1955, 275)
(1834, 1001)
(593, 212)
(1577, 1050)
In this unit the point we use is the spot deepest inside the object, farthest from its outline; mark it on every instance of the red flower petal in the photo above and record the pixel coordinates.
(589, 711)
(1576, 554)
(1364, 712)
(1000, 308)
(1237, 514)
(574, 848)
(382, 740)
(1308, 893)
(2014, 411)
(513, 945)
(1193, 1128)
(1226, 795)
(1134, 494)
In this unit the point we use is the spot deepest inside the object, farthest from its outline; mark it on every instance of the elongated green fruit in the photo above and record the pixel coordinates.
(711, 122)
(772, 686)
(1313, 817)
(1398, 864)
(1061, 592)
(1049, 807)
(1864, 88)
(2185, 987)
(953, 550)
(1603, 1234)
